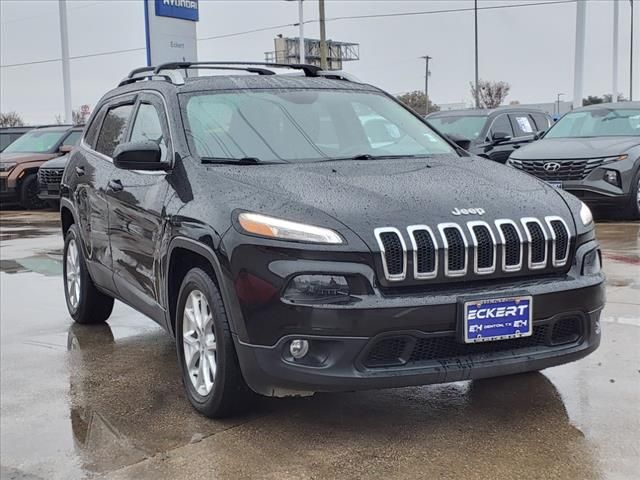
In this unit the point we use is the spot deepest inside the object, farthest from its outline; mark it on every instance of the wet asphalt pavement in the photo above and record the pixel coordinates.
(107, 402)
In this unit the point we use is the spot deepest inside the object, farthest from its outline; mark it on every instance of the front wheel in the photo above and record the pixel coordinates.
(86, 304)
(208, 362)
(29, 193)
(633, 209)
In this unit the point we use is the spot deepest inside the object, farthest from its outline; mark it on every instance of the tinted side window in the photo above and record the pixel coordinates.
(113, 129)
(501, 124)
(73, 138)
(542, 121)
(147, 127)
(522, 124)
(92, 131)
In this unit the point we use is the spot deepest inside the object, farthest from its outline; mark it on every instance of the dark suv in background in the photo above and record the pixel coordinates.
(291, 251)
(494, 133)
(594, 153)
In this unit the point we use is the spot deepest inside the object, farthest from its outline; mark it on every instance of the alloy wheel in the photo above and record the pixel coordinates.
(73, 274)
(199, 340)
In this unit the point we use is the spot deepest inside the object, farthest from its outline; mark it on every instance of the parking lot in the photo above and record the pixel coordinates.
(107, 401)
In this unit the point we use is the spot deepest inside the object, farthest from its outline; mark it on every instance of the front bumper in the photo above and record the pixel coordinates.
(404, 340)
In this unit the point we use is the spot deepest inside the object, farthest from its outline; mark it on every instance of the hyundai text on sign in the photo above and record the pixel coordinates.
(184, 9)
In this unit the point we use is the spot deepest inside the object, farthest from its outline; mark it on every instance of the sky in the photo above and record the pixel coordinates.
(531, 48)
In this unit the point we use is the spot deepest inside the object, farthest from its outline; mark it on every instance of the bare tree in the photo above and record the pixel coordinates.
(78, 117)
(491, 94)
(417, 101)
(11, 119)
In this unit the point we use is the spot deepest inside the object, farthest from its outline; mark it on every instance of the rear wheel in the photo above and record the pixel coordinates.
(86, 304)
(29, 193)
(208, 362)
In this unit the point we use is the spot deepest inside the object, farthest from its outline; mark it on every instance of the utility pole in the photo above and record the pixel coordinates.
(323, 38)
(581, 13)
(64, 47)
(426, 83)
(614, 86)
(631, 57)
(301, 34)
(475, 12)
(558, 102)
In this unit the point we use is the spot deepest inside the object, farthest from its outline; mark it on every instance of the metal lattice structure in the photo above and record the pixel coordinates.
(287, 51)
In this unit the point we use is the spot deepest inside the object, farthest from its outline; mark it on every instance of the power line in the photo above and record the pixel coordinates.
(42, 15)
(285, 25)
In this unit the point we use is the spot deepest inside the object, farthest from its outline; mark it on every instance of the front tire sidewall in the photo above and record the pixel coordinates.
(197, 279)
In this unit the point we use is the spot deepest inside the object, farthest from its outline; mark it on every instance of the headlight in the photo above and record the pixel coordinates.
(318, 289)
(271, 227)
(6, 166)
(585, 215)
(616, 158)
(591, 264)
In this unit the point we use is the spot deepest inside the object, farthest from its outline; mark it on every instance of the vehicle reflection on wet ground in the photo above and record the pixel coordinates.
(81, 401)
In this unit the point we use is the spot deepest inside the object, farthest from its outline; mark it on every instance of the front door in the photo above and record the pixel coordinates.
(136, 214)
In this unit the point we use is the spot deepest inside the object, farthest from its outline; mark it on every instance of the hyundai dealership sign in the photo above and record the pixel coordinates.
(171, 30)
(184, 9)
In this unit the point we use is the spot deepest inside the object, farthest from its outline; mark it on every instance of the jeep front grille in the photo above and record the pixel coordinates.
(577, 169)
(474, 248)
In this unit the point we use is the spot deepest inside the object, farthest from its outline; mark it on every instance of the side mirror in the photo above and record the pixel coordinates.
(138, 156)
(462, 142)
(65, 149)
(539, 134)
(500, 137)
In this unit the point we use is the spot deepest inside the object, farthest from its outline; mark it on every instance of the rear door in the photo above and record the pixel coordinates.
(136, 219)
(91, 169)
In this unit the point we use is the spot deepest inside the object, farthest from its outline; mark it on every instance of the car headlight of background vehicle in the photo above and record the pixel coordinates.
(585, 215)
(615, 158)
(6, 166)
(271, 227)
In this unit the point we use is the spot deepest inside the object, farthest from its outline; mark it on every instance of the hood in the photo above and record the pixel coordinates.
(57, 162)
(25, 157)
(566, 148)
(364, 195)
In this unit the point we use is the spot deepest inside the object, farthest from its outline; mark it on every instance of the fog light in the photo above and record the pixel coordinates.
(612, 177)
(591, 264)
(298, 348)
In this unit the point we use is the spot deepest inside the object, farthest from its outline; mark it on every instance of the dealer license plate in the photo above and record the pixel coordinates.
(498, 319)
(556, 184)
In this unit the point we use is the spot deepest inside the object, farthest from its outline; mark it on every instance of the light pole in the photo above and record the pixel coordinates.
(475, 11)
(614, 89)
(66, 74)
(303, 57)
(631, 57)
(578, 72)
(558, 102)
(426, 83)
(323, 38)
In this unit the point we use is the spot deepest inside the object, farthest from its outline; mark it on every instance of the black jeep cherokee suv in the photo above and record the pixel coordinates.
(254, 219)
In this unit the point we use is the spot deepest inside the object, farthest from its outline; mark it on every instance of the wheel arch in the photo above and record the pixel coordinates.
(183, 255)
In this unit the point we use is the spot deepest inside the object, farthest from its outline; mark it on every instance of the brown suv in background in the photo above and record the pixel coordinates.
(19, 162)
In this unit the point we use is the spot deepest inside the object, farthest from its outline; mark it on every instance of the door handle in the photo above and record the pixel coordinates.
(115, 185)
(80, 171)
(517, 146)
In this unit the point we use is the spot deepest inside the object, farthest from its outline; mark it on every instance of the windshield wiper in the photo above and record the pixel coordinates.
(234, 161)
(368, 156)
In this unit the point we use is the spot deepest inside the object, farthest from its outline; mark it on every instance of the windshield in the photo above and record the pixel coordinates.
(305, 125)
(468, 127)
(604, 122)
(36, 141)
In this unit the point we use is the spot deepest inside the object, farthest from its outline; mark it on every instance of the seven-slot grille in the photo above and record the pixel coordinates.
(577, 169)
(50, 176)
(476, 247)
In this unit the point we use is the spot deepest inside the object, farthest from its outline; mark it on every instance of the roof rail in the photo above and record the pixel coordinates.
(169, 71)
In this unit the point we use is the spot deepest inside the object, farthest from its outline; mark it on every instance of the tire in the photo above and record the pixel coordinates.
(85, 303)
(214, 387)
(632, 211)
(29, 193)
